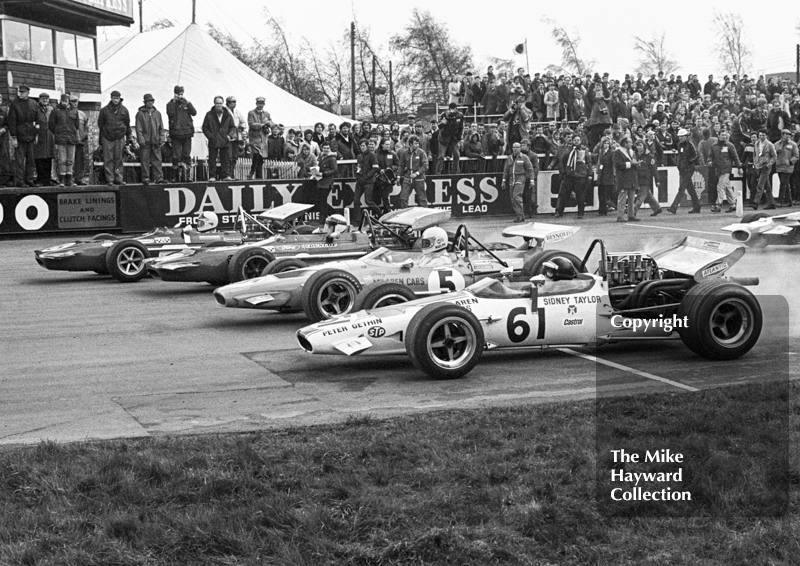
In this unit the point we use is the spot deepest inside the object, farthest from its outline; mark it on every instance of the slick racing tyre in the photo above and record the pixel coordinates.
(534, 264)
(248, 263)
(444, 341)
(329, 293)
(724, 320)
(753, 216)
(125, 261)
(104, 236)
(377, 295)
(283, 264)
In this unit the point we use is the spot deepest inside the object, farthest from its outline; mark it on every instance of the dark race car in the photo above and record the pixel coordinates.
(123, 257)
(221, 265)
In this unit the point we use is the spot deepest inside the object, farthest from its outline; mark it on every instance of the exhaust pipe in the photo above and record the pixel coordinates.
(744, 281)
(741, 235)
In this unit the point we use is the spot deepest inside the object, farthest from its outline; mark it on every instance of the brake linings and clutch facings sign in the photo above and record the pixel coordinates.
(87, 210)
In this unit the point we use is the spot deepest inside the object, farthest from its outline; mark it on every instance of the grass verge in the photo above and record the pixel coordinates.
(494, 486)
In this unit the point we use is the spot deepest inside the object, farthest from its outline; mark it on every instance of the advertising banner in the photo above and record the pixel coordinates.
(50, 210)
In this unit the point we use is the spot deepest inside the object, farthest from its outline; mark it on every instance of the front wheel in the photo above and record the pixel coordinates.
(125, 261)
(445, 341)
(723, 320)
(248, 263)
(283, 264)
(377, 295)
(329, 293)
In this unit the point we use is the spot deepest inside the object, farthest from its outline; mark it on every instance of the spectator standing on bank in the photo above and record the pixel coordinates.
(723, 158)
(45, 148)
(306, 161)
(276, 143)
(63, 124)
(517, 117)
(240, 137)
(219, 130)
(517, 172)
(345, 143)
(575, 169)
(23, 114)
(114, 123)
(687, 159)
(551, 102)
(777, 121)
(181, 131)
(259, 125)
(412, 169)
(530, 200)
(366, 173)
(150, 135)
(453, 90)
(451, 128)
(627, 180)
(646, 176)
(6, 152)
(606, 194)
(292, 143)
(599, 112)
(764, 157)
(328, 168)
(388, 163)
(83, 139)
(786, 155)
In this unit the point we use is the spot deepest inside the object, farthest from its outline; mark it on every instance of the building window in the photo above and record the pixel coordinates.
(85, 52)
(41, 45)
(17, 40)
(66, 53)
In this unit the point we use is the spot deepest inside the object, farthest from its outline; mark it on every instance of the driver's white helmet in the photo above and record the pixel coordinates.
(335, 224)
(207, 221)
(434, 240)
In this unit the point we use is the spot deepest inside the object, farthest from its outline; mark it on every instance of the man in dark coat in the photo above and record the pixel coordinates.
(328, 168)
(687, 159)
(451, 130)
(114, 123)
(181, 131)
(64, 123)
(627, 180)
(151, 136)
(219, 129)
(22, 116)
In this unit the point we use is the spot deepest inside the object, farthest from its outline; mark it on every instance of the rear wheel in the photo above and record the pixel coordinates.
(444, 341)
(724, 320)
(248, 263)
(284, 264)
(377, 295)
(329, 293)
(534, 265)
(753, 216)
(125, 261)
(104, 236)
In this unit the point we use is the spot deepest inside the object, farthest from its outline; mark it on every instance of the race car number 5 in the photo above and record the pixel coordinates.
(444, 280)
(518, 328)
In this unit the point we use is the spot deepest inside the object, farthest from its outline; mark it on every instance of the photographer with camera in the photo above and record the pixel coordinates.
(451, 128)
(600, 115)
(518, 117)
(181, 132)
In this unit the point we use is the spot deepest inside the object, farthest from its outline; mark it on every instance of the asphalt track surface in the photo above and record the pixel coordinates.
(83, 357)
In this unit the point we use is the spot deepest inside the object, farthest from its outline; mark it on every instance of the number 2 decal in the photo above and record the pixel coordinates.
(518, 329)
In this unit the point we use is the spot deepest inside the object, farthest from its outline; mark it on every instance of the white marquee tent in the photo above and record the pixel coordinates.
(154, 62)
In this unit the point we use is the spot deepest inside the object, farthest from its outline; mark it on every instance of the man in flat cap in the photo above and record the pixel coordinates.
(181, 131)
(114, 123)
(259, 125)
(151, 136)
(44, 150)
(22, 117)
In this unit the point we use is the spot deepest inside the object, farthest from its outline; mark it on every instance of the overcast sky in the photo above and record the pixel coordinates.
(492, 28)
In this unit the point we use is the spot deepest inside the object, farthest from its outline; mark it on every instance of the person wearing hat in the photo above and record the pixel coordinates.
(79, 170)
(260, 128)
(6, 153)
(64, 123)
(23, 114)
(687, 159)
(114, 124)
(219, 130)
(451, 130)
(238, 143)
(44, 150)
(181, 131)
(786, 152)
(150, 136)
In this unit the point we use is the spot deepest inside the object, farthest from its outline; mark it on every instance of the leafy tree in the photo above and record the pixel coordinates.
(569, 44)
(654, 56)
(732, 45)
(432, 58)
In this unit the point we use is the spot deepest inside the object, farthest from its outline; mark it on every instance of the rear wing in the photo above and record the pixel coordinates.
(699, 258)
(415, 218)
(540, 232)
(286, 213)
(251, 227)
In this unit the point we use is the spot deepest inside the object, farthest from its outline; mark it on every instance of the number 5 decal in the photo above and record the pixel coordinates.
(444, 280)
(518, 329)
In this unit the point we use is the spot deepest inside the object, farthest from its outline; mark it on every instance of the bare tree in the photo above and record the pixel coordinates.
(570, 60)
(163, 23)
(654, 56)
(732, 45)
(430, 55)
(330, 70)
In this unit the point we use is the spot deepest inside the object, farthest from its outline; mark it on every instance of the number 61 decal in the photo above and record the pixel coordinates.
(518, 329)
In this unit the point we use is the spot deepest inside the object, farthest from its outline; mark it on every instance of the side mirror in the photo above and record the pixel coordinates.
(408, 263)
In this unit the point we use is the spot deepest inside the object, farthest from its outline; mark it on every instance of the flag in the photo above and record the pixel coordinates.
(519, 49)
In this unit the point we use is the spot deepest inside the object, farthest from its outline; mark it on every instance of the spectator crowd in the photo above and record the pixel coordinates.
(594, 130)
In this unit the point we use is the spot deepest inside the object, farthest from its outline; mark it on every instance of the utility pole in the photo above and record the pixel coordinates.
(527, 63)
(194, 10)
(391, 90)
(797, 65)
(353, 70)
(141, 19)
(372, 91)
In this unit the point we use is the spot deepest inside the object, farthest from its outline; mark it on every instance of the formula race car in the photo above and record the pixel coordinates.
(759, 229)
(123, 257)
(228, 264)
(632, 296)
(331, 289)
